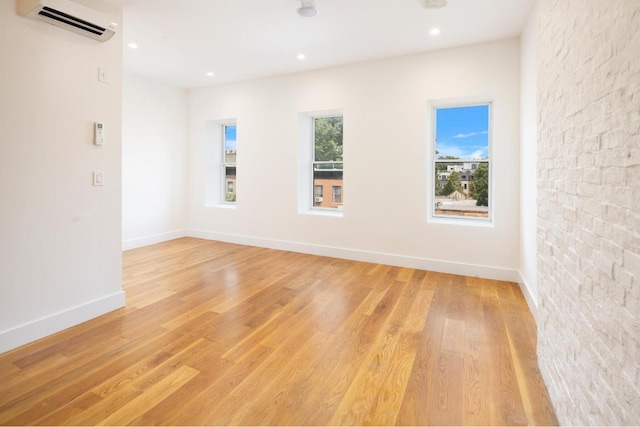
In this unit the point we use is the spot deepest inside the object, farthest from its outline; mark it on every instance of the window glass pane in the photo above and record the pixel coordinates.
(462, 163)
(327, 161)
(230, 144)
(230, 180)
(328, 139)
(326, 175)
(337, 194)
(230, 147)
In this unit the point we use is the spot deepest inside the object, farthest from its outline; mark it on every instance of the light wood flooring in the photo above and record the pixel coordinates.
(216, 334)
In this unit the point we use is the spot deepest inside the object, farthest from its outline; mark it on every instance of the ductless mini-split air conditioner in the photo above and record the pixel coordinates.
(70, 16)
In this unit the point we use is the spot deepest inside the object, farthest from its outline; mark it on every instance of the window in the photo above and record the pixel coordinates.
(327, 160)
(318, 191)
(461, 162)
(229, 169)
(337, 194)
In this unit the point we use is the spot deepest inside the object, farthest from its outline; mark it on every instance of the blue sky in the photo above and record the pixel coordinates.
(463, 131)
(230, 142)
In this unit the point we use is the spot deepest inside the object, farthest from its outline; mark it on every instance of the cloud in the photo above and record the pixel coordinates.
(469, 135)
(462, 152)
(479, 154)
(448, 150)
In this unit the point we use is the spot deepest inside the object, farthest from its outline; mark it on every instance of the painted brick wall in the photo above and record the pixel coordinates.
(589, 208)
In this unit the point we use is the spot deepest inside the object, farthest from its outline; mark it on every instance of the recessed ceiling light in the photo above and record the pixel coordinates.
(434, 31)
(210, 73)
(301, 57)
(133, 45)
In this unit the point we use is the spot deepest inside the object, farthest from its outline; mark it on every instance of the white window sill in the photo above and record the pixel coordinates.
(223, 206)
(471, 222)
(323, 212)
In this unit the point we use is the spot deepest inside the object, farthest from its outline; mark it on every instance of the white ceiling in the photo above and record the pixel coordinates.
(181, 40)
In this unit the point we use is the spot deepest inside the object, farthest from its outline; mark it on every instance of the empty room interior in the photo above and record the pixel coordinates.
(320, 212)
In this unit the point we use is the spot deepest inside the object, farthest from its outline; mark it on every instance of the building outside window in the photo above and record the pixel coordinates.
(327, 162)
(461, 162)
(229, 168)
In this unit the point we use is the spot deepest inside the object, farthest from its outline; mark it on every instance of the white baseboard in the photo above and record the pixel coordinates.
(528, 295)
(152, 240)
(495, 273)
(56, 322)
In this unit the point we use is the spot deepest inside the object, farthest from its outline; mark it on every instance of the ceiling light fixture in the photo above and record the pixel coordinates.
(132, 45)
(434, 31)
(210, 73)
(301, 57)
(433, 4)
(307, 9)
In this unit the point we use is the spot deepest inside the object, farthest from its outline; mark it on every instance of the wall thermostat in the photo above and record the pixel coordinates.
(99, 134)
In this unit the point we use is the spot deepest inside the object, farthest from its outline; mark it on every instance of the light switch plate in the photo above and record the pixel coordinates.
(103, 76)
(98, 179)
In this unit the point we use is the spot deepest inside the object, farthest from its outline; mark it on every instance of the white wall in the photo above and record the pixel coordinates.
(59, 236)
(386, 119)
(528, 155)
(154, 162)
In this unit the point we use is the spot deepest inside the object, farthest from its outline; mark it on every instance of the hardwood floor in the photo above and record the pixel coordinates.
(215, 333)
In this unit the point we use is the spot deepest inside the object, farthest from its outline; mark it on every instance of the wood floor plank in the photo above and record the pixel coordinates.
(8, 369)
(151, 397)
(476, 362)
(420, 389)
(73, 411)
(521, 333)
(57, 390)
(130, 374)
(23, 390)
(339, 369)
(206, 394)
(216, 333)
(446, 393)
(362, 394)
(269, 403)
(507, 406)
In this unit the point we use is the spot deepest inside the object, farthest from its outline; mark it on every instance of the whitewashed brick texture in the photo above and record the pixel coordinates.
(589, 209)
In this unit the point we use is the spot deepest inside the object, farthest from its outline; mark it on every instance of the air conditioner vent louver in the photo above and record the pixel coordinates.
(70, 16)
(71, 20)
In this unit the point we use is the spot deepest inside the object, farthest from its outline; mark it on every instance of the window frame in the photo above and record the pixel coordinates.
(225, 164)
(315, 162)
(432, 159)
